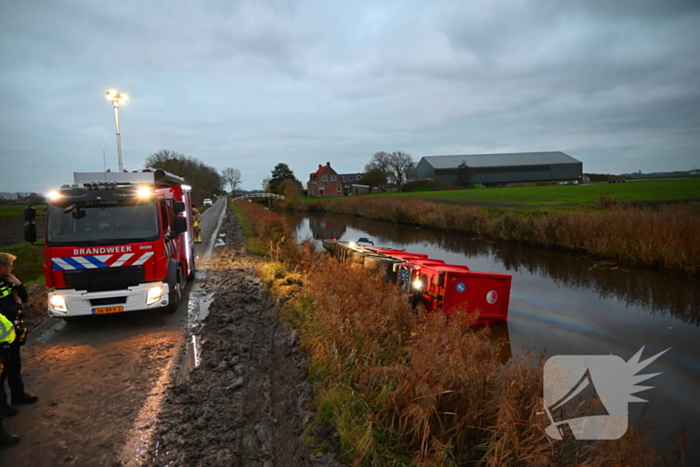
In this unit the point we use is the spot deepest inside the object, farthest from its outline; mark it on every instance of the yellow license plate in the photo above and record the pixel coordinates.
(108, 309)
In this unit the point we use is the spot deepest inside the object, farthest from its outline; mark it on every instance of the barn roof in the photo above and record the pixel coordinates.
(501, 160)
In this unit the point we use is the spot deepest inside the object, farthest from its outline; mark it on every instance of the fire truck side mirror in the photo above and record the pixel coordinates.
(180, 225)
(30, 232)
(179, 207)
(29, 213)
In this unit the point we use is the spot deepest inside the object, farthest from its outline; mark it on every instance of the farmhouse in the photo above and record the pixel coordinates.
(325, 182)
(501, 169)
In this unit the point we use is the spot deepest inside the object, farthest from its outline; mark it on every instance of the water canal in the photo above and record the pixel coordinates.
(563, 304)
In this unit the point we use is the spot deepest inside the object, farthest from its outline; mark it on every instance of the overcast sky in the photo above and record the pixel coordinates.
(615, 84)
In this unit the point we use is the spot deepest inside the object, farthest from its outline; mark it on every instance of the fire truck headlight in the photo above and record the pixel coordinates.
(154, 294)
(418, 284)
(58, 302)
(144, 192)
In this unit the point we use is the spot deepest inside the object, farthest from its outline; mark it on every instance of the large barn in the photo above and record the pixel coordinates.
(501, 169)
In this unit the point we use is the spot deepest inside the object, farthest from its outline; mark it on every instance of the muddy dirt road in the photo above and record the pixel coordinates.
(125, 390)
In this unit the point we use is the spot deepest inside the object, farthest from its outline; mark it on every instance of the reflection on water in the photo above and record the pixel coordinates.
(326, 228)
(649, 290)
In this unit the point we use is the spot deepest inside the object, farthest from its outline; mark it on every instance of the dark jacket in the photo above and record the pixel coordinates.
(8, 306)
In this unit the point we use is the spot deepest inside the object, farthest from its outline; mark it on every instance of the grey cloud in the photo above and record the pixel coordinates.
(250, 84)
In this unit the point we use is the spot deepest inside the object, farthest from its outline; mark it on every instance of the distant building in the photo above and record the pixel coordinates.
(349, 180)
(502, 169)
(325, 182)
(357, 189)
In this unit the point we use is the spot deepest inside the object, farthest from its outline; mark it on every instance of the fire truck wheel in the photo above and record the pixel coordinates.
(194, 270)
(175, 295)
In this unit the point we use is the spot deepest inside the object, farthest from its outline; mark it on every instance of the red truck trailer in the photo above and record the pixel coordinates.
(117, 242)
(431, 282)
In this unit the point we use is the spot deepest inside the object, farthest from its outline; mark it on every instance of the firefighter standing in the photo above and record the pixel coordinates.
(195, 225)
(12, 295)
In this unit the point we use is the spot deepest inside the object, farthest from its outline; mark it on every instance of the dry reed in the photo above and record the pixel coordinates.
(667, 237)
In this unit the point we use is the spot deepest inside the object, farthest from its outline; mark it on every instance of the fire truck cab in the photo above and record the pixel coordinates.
(117, 242)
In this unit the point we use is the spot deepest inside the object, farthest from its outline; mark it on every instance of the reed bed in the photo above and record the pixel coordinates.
(404, 387)
(665, 237)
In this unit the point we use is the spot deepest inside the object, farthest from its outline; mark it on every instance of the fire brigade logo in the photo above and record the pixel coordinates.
(603, 384)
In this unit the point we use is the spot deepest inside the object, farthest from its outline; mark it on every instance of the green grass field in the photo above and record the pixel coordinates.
(632, 191)
(16, 211)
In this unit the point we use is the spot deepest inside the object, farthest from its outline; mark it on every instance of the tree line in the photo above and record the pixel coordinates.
(21, 197)
(382, 169)
(204, 179)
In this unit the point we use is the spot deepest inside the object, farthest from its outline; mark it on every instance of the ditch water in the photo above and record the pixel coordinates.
(563, 304)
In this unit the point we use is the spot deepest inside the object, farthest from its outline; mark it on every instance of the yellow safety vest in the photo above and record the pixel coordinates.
(5, 289)
(7, 330)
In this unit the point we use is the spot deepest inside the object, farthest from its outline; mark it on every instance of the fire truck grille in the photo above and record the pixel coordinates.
(99, 280)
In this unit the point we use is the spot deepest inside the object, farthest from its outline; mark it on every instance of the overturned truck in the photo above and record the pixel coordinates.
(436, 285)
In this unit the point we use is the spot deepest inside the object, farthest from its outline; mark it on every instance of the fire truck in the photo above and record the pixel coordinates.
(117, 242)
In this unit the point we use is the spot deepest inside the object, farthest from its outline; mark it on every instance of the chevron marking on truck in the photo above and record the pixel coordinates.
(100, 261)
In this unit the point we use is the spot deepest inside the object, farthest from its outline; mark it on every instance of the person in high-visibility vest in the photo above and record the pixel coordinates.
(12, 295)
(7, 337)
(195, 225)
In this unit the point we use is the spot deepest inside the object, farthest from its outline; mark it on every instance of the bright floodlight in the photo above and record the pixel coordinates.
(117, 98)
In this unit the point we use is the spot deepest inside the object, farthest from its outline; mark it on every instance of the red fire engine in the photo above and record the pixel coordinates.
(117, 242)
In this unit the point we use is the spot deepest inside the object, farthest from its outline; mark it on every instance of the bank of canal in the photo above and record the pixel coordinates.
(562, 304)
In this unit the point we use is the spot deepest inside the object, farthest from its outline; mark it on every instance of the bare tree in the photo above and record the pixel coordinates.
(400, 163)
(379, 164)
(232, 177)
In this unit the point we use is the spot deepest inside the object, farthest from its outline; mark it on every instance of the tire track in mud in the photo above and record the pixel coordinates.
(245, 403)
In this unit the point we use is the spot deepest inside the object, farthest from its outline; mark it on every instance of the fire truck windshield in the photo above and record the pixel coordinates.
(121, 223)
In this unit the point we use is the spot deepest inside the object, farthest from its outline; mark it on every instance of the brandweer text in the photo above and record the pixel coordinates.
(101, 250)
